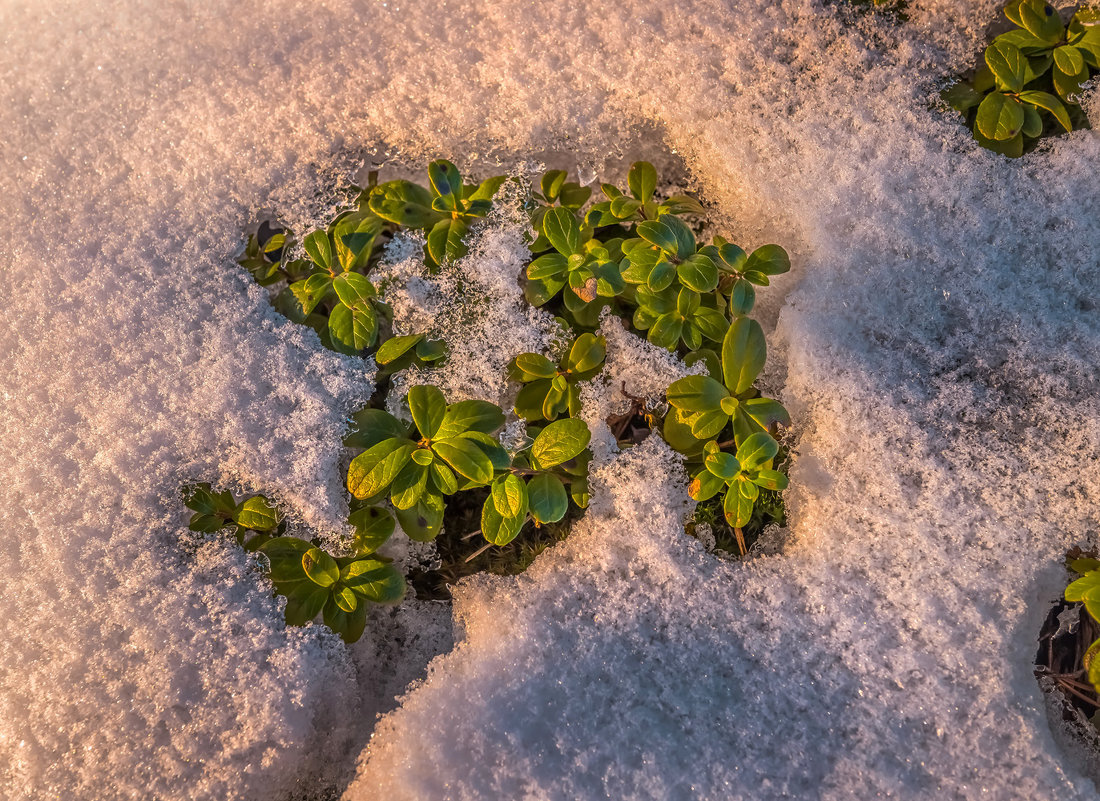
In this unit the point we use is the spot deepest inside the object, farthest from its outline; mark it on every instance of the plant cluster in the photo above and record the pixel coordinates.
(1032, 77)
(312, 580)
(633, 252)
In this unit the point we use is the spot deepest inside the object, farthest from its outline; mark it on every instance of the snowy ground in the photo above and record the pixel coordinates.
(937, 342)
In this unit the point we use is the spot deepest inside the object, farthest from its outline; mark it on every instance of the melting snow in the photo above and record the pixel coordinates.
(937, 343)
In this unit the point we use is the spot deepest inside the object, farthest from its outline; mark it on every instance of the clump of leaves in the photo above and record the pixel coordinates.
(451, 448)
(722, 421)
(313, 582)
(1031, 79)
(550, 390)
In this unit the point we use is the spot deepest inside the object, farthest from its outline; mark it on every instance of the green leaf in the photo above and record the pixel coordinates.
(698, 273)
(723, 465)
(445, 178)
(375, 469)
(766, 412)
(696, 393)
(487, 189)
(769, 260)
(371, 426)
(736, 508)
(661, 276)
(319, 249)
(376, 581)
(498, 528)
(1041, 20)
(551, 184)
(395, 347)
(530, 366)
(642, 180)
(1000, 117)
(409, 485)
(548, 265)
(530, 399)
(354, 290)
(587, 353)
(771, 480)
(285, 555)
(257, 514)
(1033, 123)
(657, 233)
(573, 196)
(311, 291)
(547, 498)
(304, 601)
(665, 332)
(428, 408)
(1069, 86)
(205, 501)
(1069, 59)
(498, 457)
(744, 352)
(685, 239)
(424, 520)
(961, 96)
(373, 526)
(756, 451)
(705, 425)
(1008, 65)
(352, 330)
(442, 478)
(705, 485)
(711, 322)
(742, 298)
(1028, 43)
(1084, 565)
(561, 229)
(320, 567)
(465, 458)
(404, 203)
(445, 240)
(1047, 101)
(349, 625)
(354, 236)
(509, 495)
(559, 442)
(676, 431)
(470, 415)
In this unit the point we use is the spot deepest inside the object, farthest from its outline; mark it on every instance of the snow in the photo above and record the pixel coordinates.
(936, 343)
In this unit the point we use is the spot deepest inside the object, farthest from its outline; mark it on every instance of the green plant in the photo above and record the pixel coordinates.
(1086, 590)
(550, 390)
(705, 409)
(450, 448)
(1034, 70)
(631, 252)
(312, 581)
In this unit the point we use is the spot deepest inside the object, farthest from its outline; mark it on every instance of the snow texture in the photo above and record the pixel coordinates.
(936, 342)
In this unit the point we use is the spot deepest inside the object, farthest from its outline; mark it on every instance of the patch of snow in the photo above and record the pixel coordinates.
(936, 343)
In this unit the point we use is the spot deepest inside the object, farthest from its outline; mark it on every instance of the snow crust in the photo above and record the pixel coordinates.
(936, 342)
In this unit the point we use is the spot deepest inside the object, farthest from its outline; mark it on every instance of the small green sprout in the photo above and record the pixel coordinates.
(550, 390)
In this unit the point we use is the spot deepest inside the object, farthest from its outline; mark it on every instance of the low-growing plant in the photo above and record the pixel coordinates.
(631, 252)
(1086, 591)
(312, 581)
(1029, 84)
(450, 448)
(550, 390)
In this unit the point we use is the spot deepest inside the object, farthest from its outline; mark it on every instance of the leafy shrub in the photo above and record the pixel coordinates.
(313, 582)
(1032, 75)
(631, 252)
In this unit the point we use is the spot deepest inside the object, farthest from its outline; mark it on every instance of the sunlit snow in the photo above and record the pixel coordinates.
(936, 341)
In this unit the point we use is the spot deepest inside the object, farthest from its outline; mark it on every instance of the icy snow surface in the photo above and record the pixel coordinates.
(936, 342)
